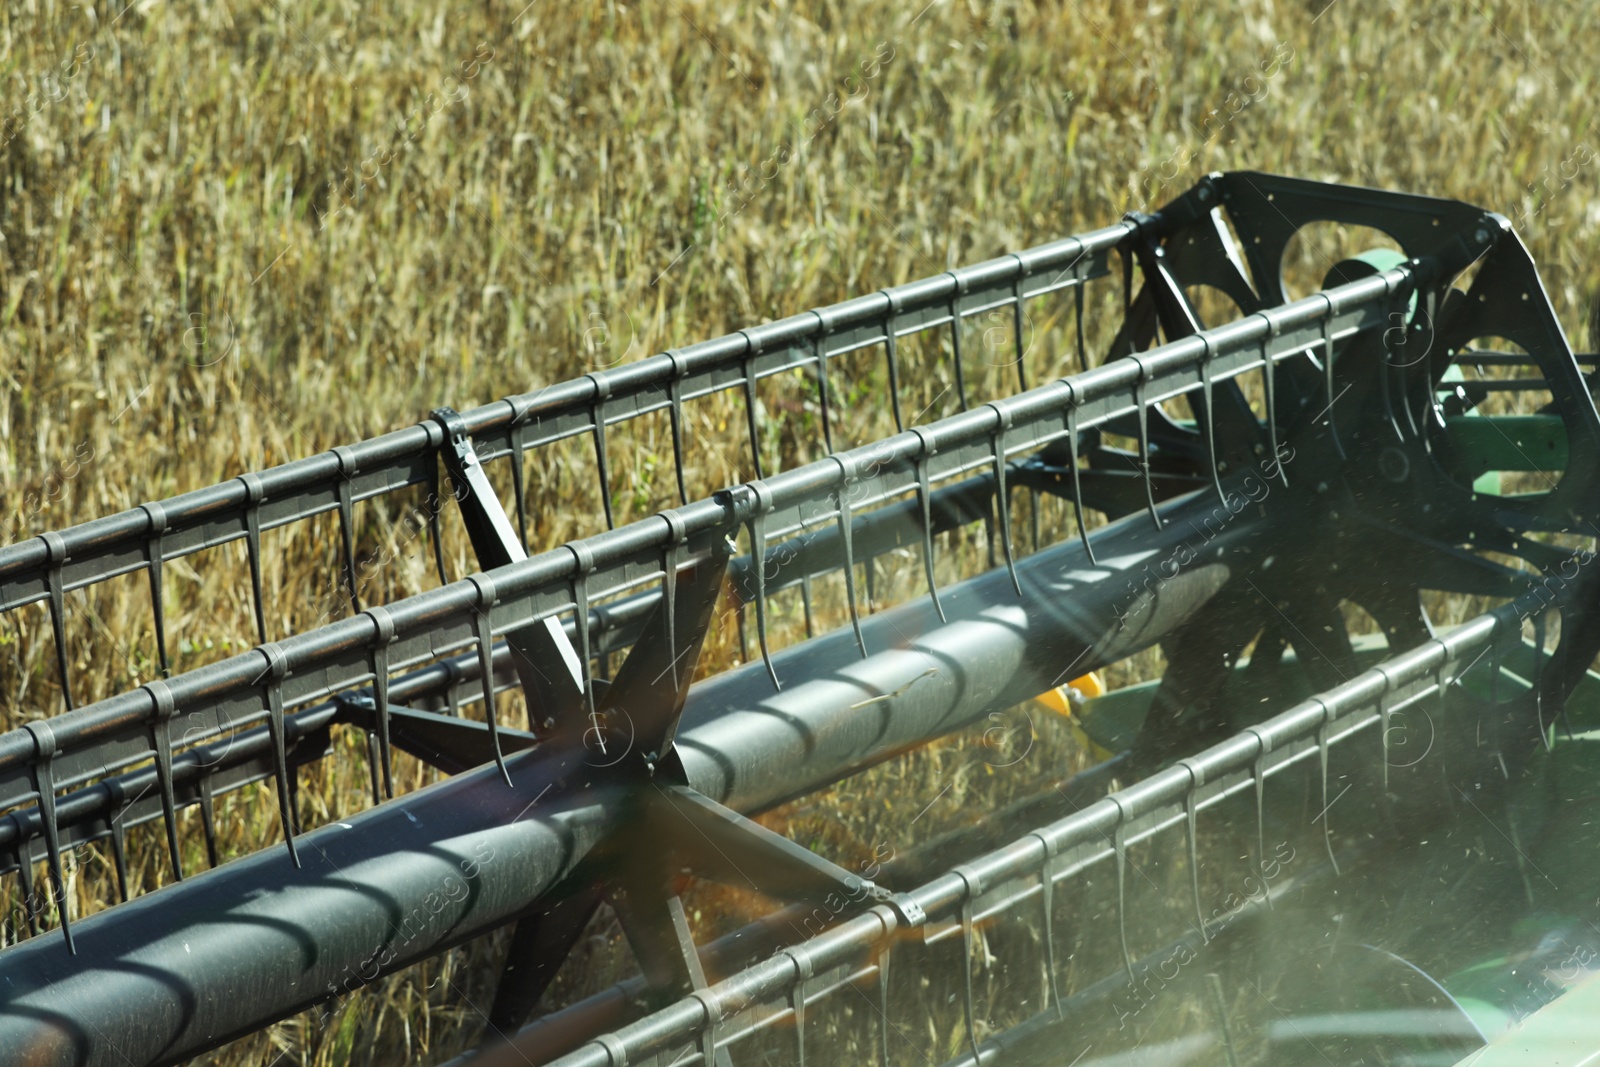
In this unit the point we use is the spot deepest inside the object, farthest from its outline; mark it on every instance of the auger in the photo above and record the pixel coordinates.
(1250, 873)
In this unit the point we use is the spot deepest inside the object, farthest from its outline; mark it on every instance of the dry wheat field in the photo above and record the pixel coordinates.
(232, 235)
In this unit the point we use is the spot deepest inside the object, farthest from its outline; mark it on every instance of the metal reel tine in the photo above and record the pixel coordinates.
(885, 957)
(757, 526)
(347, 468)
(1002, 499)
(819, 351)
(1077, 296)
(1144, 439)
(1322, 757)
(161, 742)
(1034, 523)
(1077, 481)
(272, 682)
(583, 557)
(57, 551)
(435, 527)
(208, 818)
(44, 750)
(519, 489)
(602, 386)
(374, 771)
(846, 527)
(1207, 398)
(989, 522)
(1125, 250)
(675, 415)
(892, 356)
(483, 633)
(968, 1004)
(752, 422)
(669, 586)
(119, 853)
(955, 339)
(1119, 845)
(1564, 651)
(738, 626)
(805, 603)
(379, 660)
(1047, 913)
(1018, 317)
(252, 522)
(797, 1003)
(1327, 374)
(1495, 661)
(1259, 776)
(154, 562)
(925, 499)
(1538, 677)
(1191, 840)
(1269, 377)
(1384, 714)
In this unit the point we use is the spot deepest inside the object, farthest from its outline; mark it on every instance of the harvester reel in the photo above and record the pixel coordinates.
(1379, 497)
(1336, 453)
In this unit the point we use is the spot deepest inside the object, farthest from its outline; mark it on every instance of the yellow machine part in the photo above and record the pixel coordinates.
(1064, 699)
(1060, 700)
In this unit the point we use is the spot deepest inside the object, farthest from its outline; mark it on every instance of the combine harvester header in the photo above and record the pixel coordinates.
(1228, 492)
